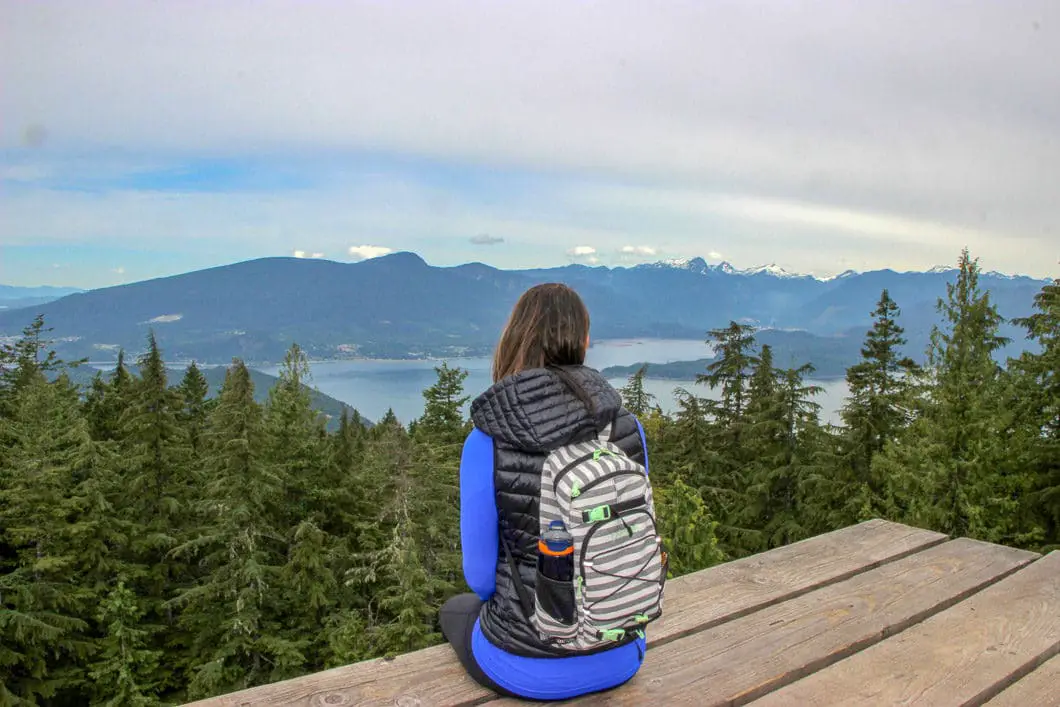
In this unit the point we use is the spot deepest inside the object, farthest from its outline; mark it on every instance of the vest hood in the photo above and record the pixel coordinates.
(536, 411)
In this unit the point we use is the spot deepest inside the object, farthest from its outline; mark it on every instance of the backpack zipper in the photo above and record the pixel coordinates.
(595, 454)
(605, 477)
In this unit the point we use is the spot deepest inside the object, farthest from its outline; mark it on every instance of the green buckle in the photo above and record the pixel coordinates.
(639, 633)
(613, 634)
(575, 491)
(597, 454)
(598, 514)
(642, 618)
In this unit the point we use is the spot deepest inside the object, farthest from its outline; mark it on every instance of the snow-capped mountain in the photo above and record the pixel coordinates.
(700, 266)
(771, 269)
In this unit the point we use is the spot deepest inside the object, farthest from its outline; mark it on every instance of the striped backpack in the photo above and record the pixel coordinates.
(604, 500)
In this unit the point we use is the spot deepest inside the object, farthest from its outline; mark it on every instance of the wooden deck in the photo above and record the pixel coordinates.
(874, 614)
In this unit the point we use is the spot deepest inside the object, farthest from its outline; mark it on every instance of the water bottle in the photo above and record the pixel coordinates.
(555, 553)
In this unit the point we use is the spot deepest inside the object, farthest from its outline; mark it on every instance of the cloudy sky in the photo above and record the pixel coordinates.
(140, 139)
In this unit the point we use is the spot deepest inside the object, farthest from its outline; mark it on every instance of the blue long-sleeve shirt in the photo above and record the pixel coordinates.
(536, 678)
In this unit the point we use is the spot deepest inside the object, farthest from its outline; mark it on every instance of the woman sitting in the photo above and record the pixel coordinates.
(557, 527)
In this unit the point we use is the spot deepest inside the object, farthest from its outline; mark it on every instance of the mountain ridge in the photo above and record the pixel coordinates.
(399, 306)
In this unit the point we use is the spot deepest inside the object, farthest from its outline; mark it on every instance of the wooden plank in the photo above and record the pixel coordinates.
(729, 591)
(693, 602)
(962, 656)
(740, 660)
(1039, 689)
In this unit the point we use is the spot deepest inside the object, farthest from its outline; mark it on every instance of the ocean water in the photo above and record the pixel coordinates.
(373, 387)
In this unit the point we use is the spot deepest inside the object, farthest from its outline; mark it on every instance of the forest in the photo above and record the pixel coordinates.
(159, 546)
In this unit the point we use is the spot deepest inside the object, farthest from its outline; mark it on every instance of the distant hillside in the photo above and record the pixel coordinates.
(10, 292)
(398, 306)
(19, 297)
(263, 382)
(830, 355)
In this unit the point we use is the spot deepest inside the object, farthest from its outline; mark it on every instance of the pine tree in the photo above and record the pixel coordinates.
(123, 671)
(158, 481)
(230, 613)
(1035, 444)
(782, 433)
(43, 631)
(687, 528)
(723, 470)
(433, 494)
(293, 440)
(943, 472)
(194, 390)
(636, 399)
(730, 371)
(400, 608)
(25, 359)
(878, 408)
(442, 421)
(108, 399)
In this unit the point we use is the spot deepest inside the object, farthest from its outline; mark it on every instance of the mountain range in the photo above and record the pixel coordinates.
(19, 297)
(398, 306)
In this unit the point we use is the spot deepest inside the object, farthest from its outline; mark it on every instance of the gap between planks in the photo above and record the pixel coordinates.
(1040, 688)
(963, 656)
(744, 659)
(695, 602)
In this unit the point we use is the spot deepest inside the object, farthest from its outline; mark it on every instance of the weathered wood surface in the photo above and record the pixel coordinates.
(694, 603)
(964, 655)
(1039, 689)
(743, 659)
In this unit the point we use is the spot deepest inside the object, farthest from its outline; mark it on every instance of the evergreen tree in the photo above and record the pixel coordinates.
(442, 421)
(686, 527)
(124, 670)
(724, 468)
(636, 399)
(943, 472)
(1035, 443)
(158, 481)
(194, 390)
(433, 494)
(231, 612)
(877, 410)
(400, 608)
(781, 440)
(43, 631)
(292, 440)
(107, 400)
(28, 357)
(733, 361)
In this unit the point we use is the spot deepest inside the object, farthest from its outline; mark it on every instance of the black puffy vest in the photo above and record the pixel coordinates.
(528, 415)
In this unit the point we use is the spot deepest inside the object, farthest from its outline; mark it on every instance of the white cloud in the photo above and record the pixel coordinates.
(715, 255)
(306, 254)
(364, 252)
(119, 270)
(857, 119)
(486, 239)
(580, 251)
(855, 103)
(584, 253)
(639, 250)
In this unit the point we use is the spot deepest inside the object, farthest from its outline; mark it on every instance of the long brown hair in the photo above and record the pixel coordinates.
(548, 328)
